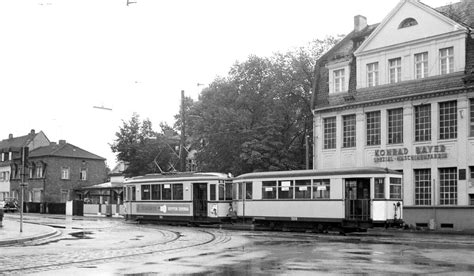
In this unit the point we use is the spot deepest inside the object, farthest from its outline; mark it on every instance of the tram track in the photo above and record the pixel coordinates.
(175, 242)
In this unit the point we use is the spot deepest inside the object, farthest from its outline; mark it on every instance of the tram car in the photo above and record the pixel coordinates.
(178, 198)
(339, 199)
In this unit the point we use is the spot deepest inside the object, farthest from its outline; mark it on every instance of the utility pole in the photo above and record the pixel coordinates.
(182, 152)
(24, 152)
(306, 140)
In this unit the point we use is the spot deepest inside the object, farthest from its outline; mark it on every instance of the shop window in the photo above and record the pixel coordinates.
(446, 60)
(373, 128)
(448, 186)
(423, 123)
(395, 126)
(395, 70)
(269, 190)
(395, 188)
(285, 189)
(321, 189)
(448, 122)
(329, 133)
(379, 188)
(422, 186)
(421, 65)
(349, 131)
(372, 74)
(303, 189)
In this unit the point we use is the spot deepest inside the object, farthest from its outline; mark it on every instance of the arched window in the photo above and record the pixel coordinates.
(408, 22)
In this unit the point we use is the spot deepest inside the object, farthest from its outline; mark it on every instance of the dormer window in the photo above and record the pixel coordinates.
(338, 77)
(339, 80)
(408, 22)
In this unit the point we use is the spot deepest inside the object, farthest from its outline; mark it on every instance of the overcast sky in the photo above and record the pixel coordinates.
(59, 58)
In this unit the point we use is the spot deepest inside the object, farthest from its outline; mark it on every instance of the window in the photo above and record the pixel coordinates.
(395, 126)
(373, 128)
(321, 188)
(166, 192)
(228, 190)
(240, 190)
(471, 174)
(372, 74)
(379, 188)
(212, 194)
(303, 188)
(448, 186)
(423, 187)
(32, 170)
(349, 131)
(408, 22)
(83, 174)
(395, 188)
(339, 80)
(39, 171)
(248, 190)
(64, 195)
(285, 189)
(146, 192)
(395, 69)
(423, 123)
(134, 193)
(448, 123)
(156, 192)
(178, 191)
(329, 133)
(471, 199)
(421, 65)
(65, 173)
(269, 190)
(471, 124)
(446, 60)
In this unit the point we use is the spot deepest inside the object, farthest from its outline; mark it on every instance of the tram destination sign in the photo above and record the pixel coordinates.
(403, 154)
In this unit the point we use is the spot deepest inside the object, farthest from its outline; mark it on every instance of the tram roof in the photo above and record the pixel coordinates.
(180, 176)
(323, 172)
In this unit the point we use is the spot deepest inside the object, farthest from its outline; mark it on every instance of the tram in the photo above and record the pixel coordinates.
(178, 198)
(344, 199)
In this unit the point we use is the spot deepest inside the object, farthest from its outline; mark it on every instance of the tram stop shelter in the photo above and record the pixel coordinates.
(103, 199)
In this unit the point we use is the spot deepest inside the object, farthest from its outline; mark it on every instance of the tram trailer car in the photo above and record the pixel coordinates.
(339, 199)
(181, 198)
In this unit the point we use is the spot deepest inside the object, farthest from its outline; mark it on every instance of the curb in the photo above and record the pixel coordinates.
(53, 232)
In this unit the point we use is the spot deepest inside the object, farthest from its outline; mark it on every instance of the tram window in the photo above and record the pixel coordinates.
(285, 189)
(212, 193)
(178, 191)
(379, 188)
(146, 192)
(166, 192)
(321, 188)
(395, 188)
(155, 192)
(134, 193)
(269, 190)
(221, 191)
(240, 191)
(303, 188)
(248, 190)
(228, 191)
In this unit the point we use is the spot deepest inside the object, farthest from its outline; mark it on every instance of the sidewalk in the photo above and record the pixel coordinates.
(10, 232)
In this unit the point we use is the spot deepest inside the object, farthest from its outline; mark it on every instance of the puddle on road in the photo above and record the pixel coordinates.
(82, 235)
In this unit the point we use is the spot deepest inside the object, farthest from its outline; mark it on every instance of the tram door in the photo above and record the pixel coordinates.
(200, 200)
(357, 198)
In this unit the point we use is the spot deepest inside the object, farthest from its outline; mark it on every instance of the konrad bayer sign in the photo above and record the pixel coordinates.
(402, 154)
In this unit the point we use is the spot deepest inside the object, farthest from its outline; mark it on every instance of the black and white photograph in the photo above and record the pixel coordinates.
(237, 137)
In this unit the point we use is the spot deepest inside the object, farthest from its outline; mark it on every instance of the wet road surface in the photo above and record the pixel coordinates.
(113, 247)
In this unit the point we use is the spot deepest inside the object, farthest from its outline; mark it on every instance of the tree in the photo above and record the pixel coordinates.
(258, 117)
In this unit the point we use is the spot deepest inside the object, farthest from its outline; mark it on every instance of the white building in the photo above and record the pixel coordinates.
(400, 94)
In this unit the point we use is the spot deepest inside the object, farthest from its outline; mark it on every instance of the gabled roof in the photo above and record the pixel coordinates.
(21, 141)
(63, 150)
(461, 12)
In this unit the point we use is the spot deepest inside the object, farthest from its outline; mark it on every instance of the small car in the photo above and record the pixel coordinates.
(9, 205)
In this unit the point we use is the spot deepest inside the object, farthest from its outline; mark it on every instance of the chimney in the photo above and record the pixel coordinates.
(32, 132)
(62, 142)
(360, 22)
(10, 136)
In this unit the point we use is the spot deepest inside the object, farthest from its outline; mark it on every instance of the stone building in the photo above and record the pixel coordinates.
(400, 94)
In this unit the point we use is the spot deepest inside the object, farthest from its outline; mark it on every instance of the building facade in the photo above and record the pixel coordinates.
(400, 94)
(54, 172)
(10, 150)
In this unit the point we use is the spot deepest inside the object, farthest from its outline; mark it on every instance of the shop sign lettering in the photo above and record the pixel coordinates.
(402, 154)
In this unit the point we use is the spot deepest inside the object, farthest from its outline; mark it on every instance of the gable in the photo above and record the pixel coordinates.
(429, 23)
